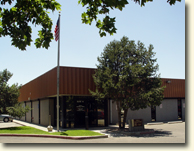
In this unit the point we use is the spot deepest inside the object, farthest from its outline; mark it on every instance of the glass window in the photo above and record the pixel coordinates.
(101, 121)
(70, 112)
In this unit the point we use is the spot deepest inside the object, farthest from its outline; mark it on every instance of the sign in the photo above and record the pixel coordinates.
(80, 108)
(183, 105)
(137, 122)
(80, 101)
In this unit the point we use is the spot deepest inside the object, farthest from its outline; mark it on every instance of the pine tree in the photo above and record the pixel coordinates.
(127, 75)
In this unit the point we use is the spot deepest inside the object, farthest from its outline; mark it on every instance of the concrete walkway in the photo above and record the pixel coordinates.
(44, 128)
(110, 131)
(102, 130)
(23, 123)
(96, 129)
(167, 132)
(17, 123)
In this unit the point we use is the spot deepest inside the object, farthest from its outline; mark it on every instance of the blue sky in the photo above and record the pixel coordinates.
(157, 23)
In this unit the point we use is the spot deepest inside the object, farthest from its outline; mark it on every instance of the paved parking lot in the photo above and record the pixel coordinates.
(8, 124)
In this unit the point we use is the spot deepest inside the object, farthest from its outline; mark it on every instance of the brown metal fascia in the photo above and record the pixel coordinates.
(77, 81)
(175, 88)
(40, 87)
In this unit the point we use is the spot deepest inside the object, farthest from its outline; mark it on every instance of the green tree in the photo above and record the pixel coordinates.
(103, 7)
(127, 75)
(8, 94)
(18, 110)
(15, 22)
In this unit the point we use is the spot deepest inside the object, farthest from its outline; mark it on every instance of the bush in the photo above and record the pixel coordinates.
(18, 110)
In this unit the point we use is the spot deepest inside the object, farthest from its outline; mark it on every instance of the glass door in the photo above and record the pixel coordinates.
(80, 113)
(92, 112)
(101, 117)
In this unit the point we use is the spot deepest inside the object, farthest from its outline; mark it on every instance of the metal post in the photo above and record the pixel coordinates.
(86, 114)
(49, 120)
(58, 71)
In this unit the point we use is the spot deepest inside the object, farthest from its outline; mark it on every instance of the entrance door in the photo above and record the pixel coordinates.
(92, 112)
(153, 113)
(80, 113)
(179, 109)
(83, 106)
(89, 108)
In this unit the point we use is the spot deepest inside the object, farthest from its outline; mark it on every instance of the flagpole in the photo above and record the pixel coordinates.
(58, 72)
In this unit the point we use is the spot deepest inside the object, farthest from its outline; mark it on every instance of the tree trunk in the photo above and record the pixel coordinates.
(124, 118)
(119, 113)
(4, 110)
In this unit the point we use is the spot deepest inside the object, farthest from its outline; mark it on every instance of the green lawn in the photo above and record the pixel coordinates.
(31, 130)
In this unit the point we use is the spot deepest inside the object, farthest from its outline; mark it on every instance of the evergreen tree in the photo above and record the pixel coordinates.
(127, 75)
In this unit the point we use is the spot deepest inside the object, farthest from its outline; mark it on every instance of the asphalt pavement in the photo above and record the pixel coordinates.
(8, 124)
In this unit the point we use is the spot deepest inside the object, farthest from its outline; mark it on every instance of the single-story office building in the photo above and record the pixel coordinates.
(75, 100)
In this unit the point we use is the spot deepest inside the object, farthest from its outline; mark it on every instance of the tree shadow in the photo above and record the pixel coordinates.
(157, 133)
(63, 133)
(12, 128)
(116, 132)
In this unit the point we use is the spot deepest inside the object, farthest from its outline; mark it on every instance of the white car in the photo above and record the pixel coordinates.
(6, 118)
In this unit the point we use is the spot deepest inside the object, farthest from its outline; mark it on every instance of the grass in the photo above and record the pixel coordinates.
(31, 130)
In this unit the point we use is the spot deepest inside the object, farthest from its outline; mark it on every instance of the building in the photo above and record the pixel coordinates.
(75, 100)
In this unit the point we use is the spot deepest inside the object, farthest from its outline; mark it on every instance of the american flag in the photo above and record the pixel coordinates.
(57, 30)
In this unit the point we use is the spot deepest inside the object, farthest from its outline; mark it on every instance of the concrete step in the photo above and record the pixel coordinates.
(173, 122)
(155, 123)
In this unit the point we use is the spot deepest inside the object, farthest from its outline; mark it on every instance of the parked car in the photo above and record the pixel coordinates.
(6, 118)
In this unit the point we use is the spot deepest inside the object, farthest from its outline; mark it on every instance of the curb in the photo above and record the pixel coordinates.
(155, 123)
(173, 122)
(159, 123)
(56, 136)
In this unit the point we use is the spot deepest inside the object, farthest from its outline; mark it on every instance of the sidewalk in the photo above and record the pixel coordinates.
(23, 123)
(44, 128)
(110, 131)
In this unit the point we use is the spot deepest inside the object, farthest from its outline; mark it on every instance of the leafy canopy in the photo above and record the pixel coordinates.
(15, 22)
(18, 110)
(8, 94)
(103, 7)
